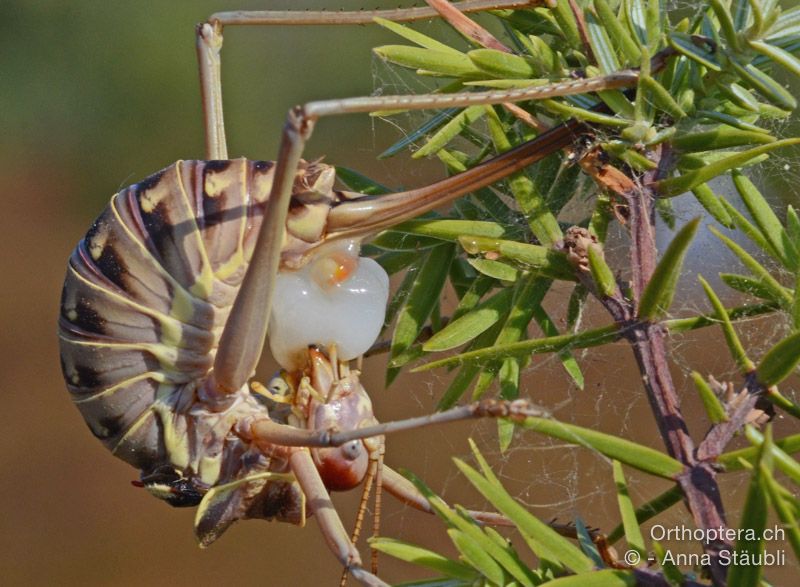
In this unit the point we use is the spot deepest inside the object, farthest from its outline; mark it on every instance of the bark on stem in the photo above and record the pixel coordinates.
(648, 341)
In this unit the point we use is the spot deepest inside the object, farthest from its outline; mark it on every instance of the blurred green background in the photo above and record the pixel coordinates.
(97, 95)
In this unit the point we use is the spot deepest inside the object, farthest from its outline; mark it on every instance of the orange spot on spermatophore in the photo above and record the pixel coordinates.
(344, 270)
(335, 268)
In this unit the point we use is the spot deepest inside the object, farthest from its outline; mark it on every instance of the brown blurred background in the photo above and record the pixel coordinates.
(97, 95)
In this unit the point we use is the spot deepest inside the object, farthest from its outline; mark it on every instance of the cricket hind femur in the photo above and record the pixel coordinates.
(336, 299)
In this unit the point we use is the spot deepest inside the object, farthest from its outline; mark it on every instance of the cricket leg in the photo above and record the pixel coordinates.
(319, 503)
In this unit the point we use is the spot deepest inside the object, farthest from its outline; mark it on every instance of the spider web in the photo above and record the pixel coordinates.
(557, 481)
(551, 478)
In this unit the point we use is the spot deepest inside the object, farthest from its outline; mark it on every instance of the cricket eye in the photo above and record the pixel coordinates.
(279, 386)
(352, 450)
(337, 299)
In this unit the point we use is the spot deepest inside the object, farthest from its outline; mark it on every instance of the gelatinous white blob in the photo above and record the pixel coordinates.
(336, 299)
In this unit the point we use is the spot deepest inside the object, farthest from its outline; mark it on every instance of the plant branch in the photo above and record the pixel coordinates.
(648, 342)
(741, 409)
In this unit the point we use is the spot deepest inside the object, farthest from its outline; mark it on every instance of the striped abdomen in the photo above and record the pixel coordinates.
(146, 298)
(147, 293)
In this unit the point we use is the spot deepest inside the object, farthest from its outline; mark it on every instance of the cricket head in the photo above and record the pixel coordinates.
(346, 406)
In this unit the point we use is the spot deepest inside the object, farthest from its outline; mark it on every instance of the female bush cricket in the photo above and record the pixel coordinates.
(168, 298)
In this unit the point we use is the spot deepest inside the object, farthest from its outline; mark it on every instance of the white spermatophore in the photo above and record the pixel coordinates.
(338, 298)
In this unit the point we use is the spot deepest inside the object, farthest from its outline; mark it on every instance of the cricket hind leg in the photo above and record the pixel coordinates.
(208, 46)
(404, 491)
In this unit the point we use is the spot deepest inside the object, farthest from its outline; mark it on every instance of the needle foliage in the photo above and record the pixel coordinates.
(711, 85)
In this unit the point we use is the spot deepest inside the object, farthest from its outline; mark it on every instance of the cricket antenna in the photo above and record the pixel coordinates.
(375, 465)
(376, 518)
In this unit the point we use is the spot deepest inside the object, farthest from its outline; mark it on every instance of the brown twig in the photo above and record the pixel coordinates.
(466, 26)
(648, 342)
(580, 20)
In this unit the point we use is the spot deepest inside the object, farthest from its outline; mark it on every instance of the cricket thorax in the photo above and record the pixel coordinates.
(339, 402)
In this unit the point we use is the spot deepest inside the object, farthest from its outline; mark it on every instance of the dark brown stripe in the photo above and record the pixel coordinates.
(87, 318)
(88, 377)
(158, 228)
(148, 183)
(216, 165)
(108, 426)
(110, 263)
